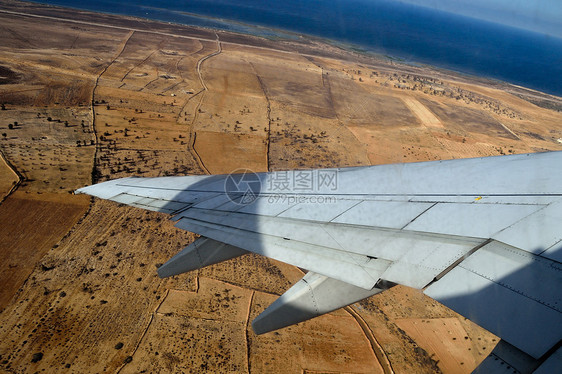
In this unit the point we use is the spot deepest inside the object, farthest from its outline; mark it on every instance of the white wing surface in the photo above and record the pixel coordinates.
(483, 236)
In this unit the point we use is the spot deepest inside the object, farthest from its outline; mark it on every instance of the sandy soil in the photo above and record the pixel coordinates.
(234, 151)
(447, 342)
(39, 223)
(105, 97)
(425, 116)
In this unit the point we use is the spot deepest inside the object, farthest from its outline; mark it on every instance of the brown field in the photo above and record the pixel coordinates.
(234, 152)
(30, 226)
(102, 97)
(447, 342)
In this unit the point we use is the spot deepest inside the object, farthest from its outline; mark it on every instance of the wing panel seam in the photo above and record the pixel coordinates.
(416, 217)
(512, 289)
(457, 262)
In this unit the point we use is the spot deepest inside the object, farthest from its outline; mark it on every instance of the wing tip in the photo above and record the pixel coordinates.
(104, 190)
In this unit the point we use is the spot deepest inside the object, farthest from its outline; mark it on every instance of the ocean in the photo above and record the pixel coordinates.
(405, 32)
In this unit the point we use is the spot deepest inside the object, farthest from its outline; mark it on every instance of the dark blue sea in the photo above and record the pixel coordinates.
(406, 32)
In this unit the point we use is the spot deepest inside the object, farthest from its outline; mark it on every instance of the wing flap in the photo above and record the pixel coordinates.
(377, 242)
(506, 359)
(358, 270)
(415, 259)
(552, 364)
(510, 292)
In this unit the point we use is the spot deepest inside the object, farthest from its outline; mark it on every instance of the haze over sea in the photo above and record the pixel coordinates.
(403, 31)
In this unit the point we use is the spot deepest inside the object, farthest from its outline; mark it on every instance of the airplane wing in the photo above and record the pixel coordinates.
(482, 236)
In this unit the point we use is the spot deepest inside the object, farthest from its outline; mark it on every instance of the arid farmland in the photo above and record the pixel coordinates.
(97, 97)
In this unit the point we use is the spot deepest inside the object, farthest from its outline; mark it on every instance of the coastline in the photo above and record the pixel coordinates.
(459, 52)
(306, 45)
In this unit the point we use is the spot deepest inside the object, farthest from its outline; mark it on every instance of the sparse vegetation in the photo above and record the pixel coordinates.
(308, 118)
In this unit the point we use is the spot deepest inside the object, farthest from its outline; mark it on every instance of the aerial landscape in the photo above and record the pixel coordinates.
(89, 97)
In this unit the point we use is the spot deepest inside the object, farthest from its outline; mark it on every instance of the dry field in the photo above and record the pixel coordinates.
(31, 225)
(102, 97)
